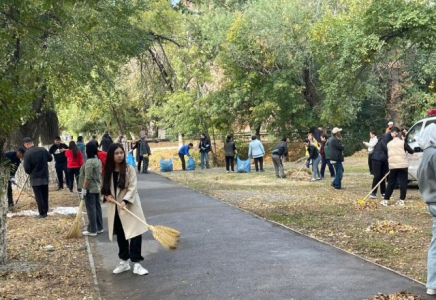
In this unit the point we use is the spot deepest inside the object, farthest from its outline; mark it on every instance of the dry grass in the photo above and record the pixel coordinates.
(396, 237)
(37, 271)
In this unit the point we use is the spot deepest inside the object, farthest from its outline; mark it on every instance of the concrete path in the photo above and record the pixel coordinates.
(225, 253)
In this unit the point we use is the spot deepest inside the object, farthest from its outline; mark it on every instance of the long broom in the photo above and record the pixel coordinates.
(166, 236)
(75, 229)
(372, 191)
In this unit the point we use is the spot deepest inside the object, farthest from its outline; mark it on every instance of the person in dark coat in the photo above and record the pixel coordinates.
(277, 154)
(60, 162)
(144, 152)
(35, 164)
(336, 156)
(229, 153)
(379, 159)
(204, 148)
(106, 141)
(14, 160)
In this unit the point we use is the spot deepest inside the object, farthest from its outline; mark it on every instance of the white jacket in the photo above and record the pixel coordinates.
(371, 144)
(256, 149)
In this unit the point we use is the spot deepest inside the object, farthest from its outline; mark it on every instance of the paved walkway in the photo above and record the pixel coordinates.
(225, 253)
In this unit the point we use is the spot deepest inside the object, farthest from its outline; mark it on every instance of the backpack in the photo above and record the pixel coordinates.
(327, 149)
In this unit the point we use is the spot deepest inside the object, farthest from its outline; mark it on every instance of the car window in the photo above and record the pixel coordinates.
(430, 122)
(413, 133)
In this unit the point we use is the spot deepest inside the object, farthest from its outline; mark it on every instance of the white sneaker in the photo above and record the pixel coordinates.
(122, 267)
(100, 231)
(400, 202)
(384, 202)
(89, 233)
(139, 270)
(313, 179)
(431, 292)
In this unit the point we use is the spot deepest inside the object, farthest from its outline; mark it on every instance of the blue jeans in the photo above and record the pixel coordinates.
(326, 162)
(431, 256)
(315, 167)
(204, 156)
(93, 209)
(338, 176)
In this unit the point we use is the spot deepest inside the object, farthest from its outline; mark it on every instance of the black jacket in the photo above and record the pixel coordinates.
(282, 148)
(204, 145)
(380, 152)
(14, 162)
(336, 149)
(105, 143)
(60, 158)
(35, 164)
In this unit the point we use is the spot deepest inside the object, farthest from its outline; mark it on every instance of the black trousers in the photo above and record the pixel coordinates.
(41, 197)
(379, 170)
(230, 162)
(139, 163)
(61, 169)
(401, 176)
(258, 161)
(127, 250)
(73, 173)
(146, 161)
(182, 158)
(10, 200)
(370, 163)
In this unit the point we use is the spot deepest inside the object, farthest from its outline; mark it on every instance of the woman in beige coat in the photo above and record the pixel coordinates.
(119, 185)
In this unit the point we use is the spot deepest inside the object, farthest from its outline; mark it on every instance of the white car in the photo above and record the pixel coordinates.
(412, 139)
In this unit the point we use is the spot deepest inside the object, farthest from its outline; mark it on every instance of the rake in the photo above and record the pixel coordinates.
(166, 236)
(375, 188)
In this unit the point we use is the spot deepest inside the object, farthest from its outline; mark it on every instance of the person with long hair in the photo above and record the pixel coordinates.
(74, 162)
(120, 191)
(90, 178)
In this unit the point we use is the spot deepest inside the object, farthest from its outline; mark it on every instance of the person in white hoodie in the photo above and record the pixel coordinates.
(370, 145)
(257, 152)
(427, 187)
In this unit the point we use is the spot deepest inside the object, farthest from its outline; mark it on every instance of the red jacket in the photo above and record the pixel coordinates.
(102, 157)
(74, 163)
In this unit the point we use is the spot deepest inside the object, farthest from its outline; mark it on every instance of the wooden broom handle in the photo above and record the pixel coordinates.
(133, 215)
(372, 191)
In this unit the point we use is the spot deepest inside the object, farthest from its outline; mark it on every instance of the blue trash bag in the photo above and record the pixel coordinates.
(190, 164)
(166, 165)
(243, 166)
(131, 160)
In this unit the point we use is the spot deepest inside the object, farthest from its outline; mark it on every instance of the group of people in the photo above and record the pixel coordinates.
(104, 176)
(327, 151)
(387, 158)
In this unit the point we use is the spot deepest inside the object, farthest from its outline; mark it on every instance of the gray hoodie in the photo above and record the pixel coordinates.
(427, 168)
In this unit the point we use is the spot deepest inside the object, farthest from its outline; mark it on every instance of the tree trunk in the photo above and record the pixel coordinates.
(3, 211)
(394, 69)
(181, 142)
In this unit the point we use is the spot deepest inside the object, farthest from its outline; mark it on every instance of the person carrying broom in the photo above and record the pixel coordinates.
(120, 191)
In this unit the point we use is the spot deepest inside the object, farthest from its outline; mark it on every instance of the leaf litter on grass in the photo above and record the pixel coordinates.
(42, 263)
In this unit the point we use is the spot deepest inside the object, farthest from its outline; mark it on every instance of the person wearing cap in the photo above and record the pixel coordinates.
(398, 166)
(35, 164)
(14, 158)
(336, 150)
(389, 127)
(426, 176)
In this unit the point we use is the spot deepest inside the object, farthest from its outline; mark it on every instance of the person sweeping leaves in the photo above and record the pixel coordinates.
(119, 185)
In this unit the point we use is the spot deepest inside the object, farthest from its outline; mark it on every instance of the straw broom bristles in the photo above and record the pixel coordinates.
(166, 236)
(76, 227)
